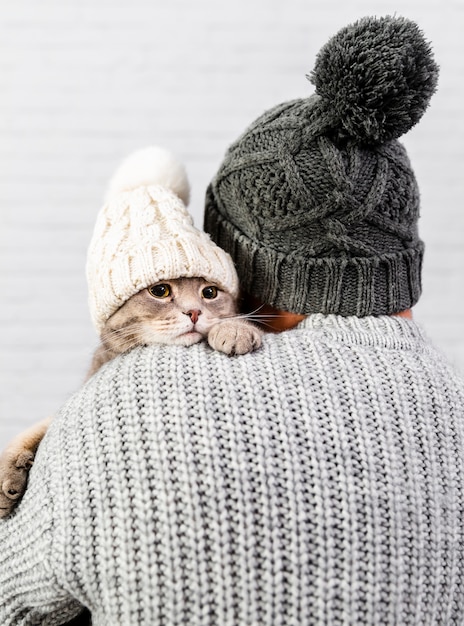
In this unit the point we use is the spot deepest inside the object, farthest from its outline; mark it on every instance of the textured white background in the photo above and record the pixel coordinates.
(84, 82)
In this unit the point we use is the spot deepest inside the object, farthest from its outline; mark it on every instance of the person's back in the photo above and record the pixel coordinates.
(316, 481)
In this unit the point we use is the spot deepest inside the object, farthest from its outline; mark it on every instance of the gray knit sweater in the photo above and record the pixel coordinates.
(318, 480)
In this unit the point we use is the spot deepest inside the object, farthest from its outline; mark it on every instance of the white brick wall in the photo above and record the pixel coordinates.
(84, 82)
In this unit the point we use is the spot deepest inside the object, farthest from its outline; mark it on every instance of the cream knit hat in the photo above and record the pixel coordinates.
(144, 234)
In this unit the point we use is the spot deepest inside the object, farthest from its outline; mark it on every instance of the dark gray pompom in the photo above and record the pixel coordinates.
(376, 77)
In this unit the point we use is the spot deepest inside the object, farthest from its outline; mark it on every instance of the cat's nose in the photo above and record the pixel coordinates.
(194, 314)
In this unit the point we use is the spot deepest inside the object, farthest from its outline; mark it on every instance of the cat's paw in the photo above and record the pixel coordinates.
(234, 337)
(14, 469)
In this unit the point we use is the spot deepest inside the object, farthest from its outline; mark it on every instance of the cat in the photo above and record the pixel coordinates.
(182, 311)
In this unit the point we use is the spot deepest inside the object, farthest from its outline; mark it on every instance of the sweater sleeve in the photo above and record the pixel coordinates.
(30, 592)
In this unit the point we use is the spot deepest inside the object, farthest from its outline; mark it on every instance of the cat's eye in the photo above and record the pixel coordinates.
(209, 293)
(160, 291)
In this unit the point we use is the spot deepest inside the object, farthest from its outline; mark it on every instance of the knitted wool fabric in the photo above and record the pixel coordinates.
(317, 202)
(317, 481)
(144, 235)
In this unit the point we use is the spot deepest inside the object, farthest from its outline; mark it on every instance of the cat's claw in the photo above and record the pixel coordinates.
(14, 470)
(234, 337)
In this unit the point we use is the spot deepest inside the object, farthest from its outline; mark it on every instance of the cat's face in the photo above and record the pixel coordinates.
(179, 312)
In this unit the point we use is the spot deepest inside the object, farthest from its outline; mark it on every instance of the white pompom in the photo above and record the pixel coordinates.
(151, 166)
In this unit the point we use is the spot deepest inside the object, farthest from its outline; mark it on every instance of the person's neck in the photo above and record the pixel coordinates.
(276, 320)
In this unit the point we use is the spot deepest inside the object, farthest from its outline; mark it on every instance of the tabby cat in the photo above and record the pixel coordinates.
(181, 312)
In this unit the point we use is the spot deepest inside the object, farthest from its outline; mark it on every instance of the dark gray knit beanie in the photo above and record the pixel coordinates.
(317, 202)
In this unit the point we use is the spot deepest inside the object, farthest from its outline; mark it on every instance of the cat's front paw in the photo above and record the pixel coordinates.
(234, 337)
(14, 469)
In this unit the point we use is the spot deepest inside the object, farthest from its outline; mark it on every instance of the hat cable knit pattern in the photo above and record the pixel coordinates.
(317, 202)
(144, 234)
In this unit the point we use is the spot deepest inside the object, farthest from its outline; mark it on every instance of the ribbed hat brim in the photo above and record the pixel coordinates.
(294, 282)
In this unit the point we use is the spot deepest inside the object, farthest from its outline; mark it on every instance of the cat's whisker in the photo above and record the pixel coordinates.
(266, 324)
(261, 317)
(130, 330)
(247, 316)
(254, 314)
(118, 348)
(255, 310)
(244, 315)
(137, 334)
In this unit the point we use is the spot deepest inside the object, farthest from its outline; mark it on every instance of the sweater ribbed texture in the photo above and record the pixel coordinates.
(318, 480)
